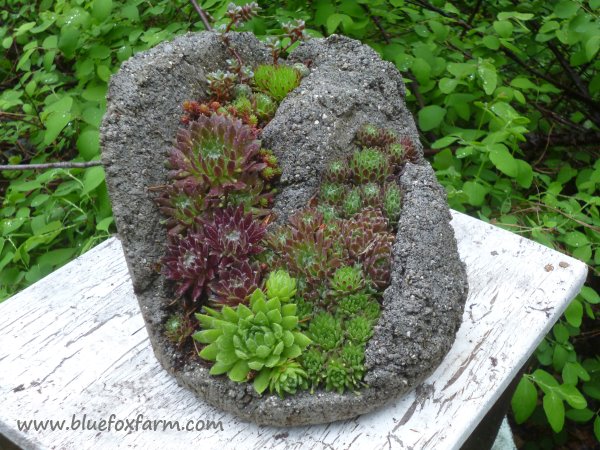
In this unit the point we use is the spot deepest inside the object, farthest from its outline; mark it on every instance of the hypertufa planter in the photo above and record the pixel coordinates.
(348, 86)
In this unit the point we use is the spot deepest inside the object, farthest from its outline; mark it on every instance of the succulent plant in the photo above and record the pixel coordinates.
(304, 311)
(371, 195)
(242, 90)
(347, 279)
(313, 362)
(359, 329)
(288, 379)
(240, 14)
(235, 284)
(232, 235)
(302, 69)
(370, 135)
(395, 152)
(264, 106)
(305, 249)
(352, 203)
(256, 340)
(178, 328)
(369, 165)
(336, 376)
(410, 152)
(353, 358)
(277, 81)
(360, 303)
(361, 229)
(392, 202)
(189, 263)
(337, 172)
(219, 153)
(332, 193)
(325, 330)
(181, 202)
(280, 285)
(329, 212)
(376, 259)
(221, 84)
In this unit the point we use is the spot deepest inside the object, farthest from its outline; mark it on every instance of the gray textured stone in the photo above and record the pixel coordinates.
(348, 86)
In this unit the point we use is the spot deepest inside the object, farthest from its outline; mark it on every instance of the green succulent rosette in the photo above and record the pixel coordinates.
(245, 342)
(280, 285)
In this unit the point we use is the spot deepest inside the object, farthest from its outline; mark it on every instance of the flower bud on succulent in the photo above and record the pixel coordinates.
(347, 279)
(280, 285)
(369, 165)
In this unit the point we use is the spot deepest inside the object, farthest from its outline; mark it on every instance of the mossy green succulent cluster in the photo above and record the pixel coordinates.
(288, 307)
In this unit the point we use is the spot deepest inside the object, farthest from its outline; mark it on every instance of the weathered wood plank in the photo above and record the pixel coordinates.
(75, 344)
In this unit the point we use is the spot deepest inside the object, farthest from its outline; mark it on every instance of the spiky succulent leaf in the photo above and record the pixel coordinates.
(392, 202)
(332, 193)
(235, 284)
(189, 263)
(277, 81)
(337, 172)
(359, 329)
(347, 279)
(325, 330)
(369, 165)
(370, 135)
(371, 195)
(217, 152)
(232, 235)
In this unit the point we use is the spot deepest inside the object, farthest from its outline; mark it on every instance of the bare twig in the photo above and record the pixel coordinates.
(202, 15)
(56, 165)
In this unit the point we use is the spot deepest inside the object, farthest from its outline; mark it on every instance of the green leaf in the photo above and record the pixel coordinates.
(447, 85)
(430, 117)
(575, 239)
(92, 178)
(487, 74)
(504, 161)
(591, 47)
(560, 333)
(504, 28)
(88, 143)
(574, 313)
(572, 396)
(559, 357)
(421, 69)
(334, 21)
(476, 192)
(444, 142)
(555, 411)
(491, 42)
(524, 173)
(597, 427)
(261, 382)
(55, 117)
(580, 415)
(69, 39)
(590, 295)
(101, 9)
(524, 400)
(461, 70)
(565, 9)
(545, 381)
(104, 224)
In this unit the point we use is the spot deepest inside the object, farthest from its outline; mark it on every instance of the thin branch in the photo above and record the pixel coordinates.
(472, 16)
(202, 15)
(57, 165)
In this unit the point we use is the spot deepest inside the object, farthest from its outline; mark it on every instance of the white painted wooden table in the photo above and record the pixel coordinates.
(74, 345)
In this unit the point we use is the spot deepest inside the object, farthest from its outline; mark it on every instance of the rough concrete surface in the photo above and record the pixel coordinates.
(348, 86)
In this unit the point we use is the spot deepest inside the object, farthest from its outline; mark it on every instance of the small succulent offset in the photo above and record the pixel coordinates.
(326, 331)
(370, 135)
(178, 328)
(253, 342)
(276, 81)
(347, 279)
(392, 202)
(369, 165)
(288, 379)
